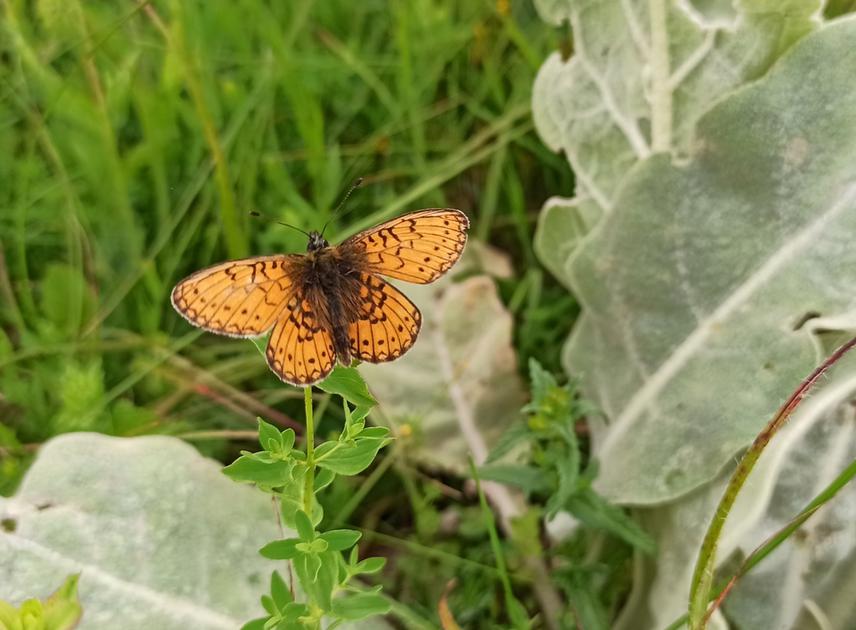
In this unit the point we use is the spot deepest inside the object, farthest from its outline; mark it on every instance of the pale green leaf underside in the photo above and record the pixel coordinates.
(627, 92)
(161, 538)
(692, 287)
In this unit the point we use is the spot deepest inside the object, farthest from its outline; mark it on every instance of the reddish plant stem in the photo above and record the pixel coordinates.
(701, 585)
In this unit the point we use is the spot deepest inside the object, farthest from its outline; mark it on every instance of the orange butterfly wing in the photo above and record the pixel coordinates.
(246, 298)
(242, 298)
(300, 350)
(418, 247)
(388, 322)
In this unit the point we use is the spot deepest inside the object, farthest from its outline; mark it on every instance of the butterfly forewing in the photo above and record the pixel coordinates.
(418, 247)
(388, 322)
(300, 350)
(242, 298)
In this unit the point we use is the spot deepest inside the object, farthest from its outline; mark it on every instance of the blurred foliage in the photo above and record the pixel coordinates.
(836, 8)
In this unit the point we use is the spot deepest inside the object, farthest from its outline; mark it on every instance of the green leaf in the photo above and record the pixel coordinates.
(317, 574)
(353, 459)
(360, 413)
(347, 383)
(313, 565)
(260, 343)
(360, 606)
(515, 436)
(584, 597)
(354, 428)
(269, 605)
(81, 389)
(304, 526)
(517, 613)
(281, 549)
(765, 173)
(255, 624)
(319, 545)
(287, 438)
(369, 565)
(159, 478)
(594, 511)
(269, 437)
(294, 611)
(324, 449)
(324, 478)
(567, 469)
(279, 590)
(251, 469)
(541, 380)
(60, 611)
(375, 432)
(341, 539)
(291, 499)
(527, 478)
(67, 300)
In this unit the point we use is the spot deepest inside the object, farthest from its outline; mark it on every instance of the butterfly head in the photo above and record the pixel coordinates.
(316, 242)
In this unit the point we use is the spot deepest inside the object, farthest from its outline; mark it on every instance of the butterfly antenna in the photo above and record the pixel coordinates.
(353, 187)
(259, 215)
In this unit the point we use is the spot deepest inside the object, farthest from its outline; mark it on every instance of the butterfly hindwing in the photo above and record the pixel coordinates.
(417, 247)
(388, 322)
(242, 298)
(300, 349)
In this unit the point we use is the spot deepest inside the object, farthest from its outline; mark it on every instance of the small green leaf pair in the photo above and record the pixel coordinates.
(309, 541)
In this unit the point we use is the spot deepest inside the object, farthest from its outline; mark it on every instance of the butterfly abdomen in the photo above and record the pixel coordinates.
(332, 278)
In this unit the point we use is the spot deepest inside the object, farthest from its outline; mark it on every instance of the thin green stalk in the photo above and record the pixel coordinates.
(773, 542)
(425, 551)
(702, 580)
(407, 615)
(309, 484)
(510, 600)
(784, 533)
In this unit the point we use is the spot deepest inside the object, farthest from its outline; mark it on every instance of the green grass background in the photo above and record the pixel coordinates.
(136, 137)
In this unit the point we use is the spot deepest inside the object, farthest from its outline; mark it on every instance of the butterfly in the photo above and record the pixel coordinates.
(329, 303)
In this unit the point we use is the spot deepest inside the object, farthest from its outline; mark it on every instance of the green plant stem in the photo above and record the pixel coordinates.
(773, 542)
(702, 580)
(494, 541)
(309, 484)
(764, 550)
(445, 557)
